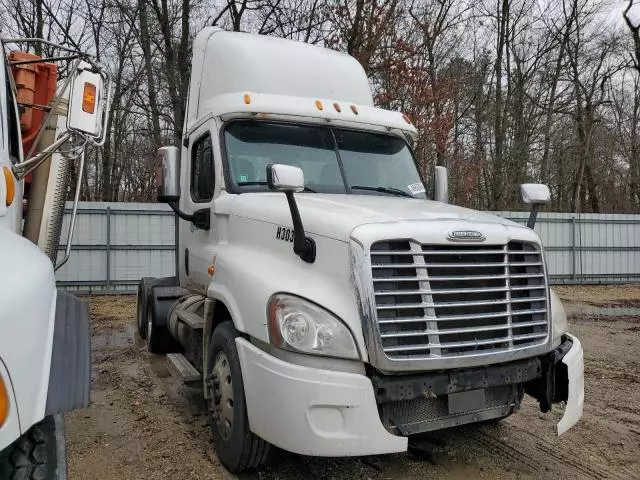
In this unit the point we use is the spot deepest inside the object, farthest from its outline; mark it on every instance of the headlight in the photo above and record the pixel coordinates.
(299, 325)
(558, 316)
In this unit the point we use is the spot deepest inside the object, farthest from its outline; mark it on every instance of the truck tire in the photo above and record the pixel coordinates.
(141, 307)
(39, 454)
(159, 339)
(237, 447)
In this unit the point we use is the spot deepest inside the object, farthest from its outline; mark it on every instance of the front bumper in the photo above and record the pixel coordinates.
(561, 380)
(311, 411)
(318, 412)
(574, 362)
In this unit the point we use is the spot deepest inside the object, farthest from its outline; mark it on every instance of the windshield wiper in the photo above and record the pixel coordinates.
(393, 191)
(245, 184)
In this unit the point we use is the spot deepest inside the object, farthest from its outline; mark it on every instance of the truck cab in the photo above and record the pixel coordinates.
(44, 333)
(329, 298)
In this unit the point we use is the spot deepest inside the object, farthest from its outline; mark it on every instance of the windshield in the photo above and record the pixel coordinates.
(333, 160)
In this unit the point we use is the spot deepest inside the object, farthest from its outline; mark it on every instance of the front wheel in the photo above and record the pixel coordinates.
(237, 447)
(39, 454)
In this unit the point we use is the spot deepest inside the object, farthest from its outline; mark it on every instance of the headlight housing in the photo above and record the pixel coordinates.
(302, 326)
(559, 322)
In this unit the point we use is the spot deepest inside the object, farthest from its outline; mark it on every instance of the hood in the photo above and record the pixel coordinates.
(336, 216)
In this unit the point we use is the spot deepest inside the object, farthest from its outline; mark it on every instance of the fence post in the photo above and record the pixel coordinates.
(573, 248)
(108, 248)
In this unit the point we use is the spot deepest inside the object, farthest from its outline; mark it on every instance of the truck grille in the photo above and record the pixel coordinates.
(435, 301)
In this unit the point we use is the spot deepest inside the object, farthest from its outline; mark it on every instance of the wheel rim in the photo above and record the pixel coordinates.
(222, 395)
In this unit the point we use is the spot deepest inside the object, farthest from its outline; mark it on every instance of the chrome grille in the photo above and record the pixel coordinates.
(458, 300)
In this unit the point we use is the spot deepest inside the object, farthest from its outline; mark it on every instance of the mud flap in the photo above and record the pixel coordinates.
(562, 380)
(70, 373)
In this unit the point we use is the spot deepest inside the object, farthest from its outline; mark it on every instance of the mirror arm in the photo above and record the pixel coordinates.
(533, 216)
(303, 246)
(200, 218)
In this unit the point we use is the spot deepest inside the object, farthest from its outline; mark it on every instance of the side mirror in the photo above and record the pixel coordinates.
(534, 194)
(285, 178)
(440, 185)
(87, 101)
(288, 179)
(168, 174)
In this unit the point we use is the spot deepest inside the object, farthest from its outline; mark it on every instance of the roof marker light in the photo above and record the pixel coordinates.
(337, 107)
(354, 109)
(406, 119)
(319, 105)
(247, 99)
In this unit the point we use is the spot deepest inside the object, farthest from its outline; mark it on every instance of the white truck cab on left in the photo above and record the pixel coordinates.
(44, 333)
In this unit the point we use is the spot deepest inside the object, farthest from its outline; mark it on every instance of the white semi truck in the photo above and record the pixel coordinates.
(45, 126)
(331, 302)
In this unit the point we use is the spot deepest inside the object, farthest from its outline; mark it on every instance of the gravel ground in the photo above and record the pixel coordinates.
(144, 424)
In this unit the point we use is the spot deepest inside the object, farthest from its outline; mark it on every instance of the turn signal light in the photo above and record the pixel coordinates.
(10, 183)
(4, 403)
(89, 98)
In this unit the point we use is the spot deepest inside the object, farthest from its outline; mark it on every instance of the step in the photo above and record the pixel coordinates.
(193, 320)
(182, 368)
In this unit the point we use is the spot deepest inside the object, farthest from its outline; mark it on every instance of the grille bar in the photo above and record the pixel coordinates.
(424, 318)
(461, 330)
(486, 298)
(473, 343)
(440, 291)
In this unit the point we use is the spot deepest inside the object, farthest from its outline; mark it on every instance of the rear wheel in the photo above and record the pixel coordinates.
(237, 447)
(37, 455)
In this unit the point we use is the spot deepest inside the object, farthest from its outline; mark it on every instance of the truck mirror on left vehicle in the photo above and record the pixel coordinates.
(168, 174)
(87, 98)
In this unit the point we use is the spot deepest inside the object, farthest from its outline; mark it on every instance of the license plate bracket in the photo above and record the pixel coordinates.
(462, 402)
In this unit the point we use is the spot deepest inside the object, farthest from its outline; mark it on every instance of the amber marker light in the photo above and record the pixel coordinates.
(247, 99)
(89, 98)
(319, 105)
(4, 403)
(10, 183)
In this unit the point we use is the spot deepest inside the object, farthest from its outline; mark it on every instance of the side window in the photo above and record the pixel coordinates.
(202, 170)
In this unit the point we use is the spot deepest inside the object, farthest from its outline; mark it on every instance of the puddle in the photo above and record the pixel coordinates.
(111, 340)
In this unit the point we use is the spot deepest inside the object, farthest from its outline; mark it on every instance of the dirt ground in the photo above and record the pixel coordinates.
(144, 424)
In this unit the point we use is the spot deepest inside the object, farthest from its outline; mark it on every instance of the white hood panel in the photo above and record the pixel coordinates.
(337, 216)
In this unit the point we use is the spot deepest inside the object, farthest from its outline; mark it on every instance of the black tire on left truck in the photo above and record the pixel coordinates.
(238, 448)
(39, 454)
(141, 306)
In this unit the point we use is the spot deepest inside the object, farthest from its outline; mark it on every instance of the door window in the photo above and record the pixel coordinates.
(202, 170)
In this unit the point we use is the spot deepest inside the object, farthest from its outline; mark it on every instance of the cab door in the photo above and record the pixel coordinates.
(197, 245)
